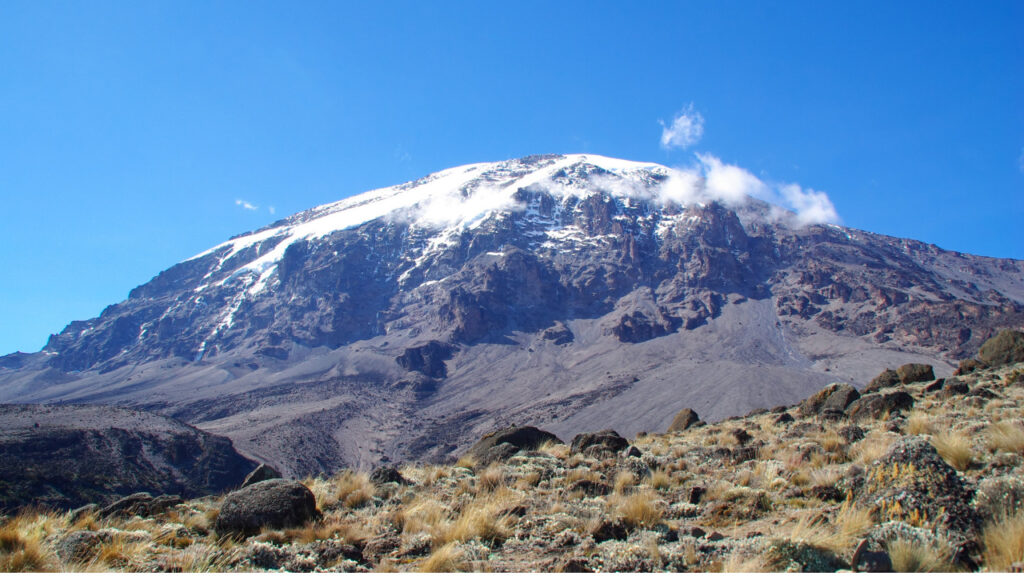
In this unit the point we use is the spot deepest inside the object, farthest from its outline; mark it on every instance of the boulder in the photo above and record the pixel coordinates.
(134, 505)
(784, 418)
(507, 442)
(1007, 347)
(830, 400)
(598, 444)
(884, 380)
(684, 420)
(261, 473)
(388, 474)
(953, 387)
(878, 405)
(275, 503)
(910, 373)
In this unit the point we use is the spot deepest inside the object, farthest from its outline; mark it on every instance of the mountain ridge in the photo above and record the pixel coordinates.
(552, 290)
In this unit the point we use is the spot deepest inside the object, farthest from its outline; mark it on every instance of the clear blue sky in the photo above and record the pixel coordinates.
(129, 130)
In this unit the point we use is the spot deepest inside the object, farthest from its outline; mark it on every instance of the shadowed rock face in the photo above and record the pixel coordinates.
(67, 456)
(567, 307)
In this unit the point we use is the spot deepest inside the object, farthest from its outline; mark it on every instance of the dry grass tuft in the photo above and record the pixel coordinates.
(353, 489)
(424, 514)
(1006, 436)
(955, 449)
(660, 480)
(639, 510)
(909, 556)
(447, 558)
(555, 449)
(491, 479)
(624, 481)
(873, 447)
(919, 422)
(1004, 543)
(481, 520)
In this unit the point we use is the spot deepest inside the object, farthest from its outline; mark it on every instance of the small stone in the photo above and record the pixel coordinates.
(741, 436)
(696, 532)
(696, 493)
(575, 566)
(684, 420)
(633, 452)
(911, 373)
(784, 418)
(715, 537)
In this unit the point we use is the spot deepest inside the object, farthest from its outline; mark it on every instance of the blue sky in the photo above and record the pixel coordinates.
(130, 131)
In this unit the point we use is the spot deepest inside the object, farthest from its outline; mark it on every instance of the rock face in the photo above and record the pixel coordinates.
(879, 405)
(275, 503)
(830, 401)
(261, 473)
(550, 290)
(68, 456)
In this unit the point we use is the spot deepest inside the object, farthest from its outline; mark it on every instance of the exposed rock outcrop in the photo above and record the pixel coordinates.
(66, 456)
(275, 503)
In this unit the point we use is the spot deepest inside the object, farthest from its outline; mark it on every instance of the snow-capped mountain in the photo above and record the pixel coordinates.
(570, 292)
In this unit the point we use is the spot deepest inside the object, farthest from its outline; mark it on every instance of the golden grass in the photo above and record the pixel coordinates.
(919, 422)
(555, 449)
(481, 520)
(660, 480)
(916, 557)
(955, 448)
(491, 479)
(639, 510)
(353, 489)
(1006, 436)
(624, 481)
(425, 514)
(22, 540)
(448, 558)
(873, 446)
(1003, 542)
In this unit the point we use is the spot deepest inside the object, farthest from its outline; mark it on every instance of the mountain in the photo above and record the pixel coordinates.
(569, 292)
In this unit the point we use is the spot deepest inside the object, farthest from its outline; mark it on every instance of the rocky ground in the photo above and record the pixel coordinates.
(908, 473)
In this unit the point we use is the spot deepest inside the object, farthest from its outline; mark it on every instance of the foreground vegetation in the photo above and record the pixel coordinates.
(792, 489)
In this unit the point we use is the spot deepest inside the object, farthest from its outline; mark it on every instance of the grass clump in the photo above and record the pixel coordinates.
(639, 510)
(955, 449)
(909, 556)
(1003, 542)
(1006, 436)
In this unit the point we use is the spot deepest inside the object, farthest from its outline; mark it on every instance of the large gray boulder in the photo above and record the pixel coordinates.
(275, 503)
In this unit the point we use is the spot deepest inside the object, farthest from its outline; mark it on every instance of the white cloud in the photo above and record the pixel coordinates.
(246, 205)
(730, 184)
(811, 207)
(686, 129)
(711, 180)
(272, 210)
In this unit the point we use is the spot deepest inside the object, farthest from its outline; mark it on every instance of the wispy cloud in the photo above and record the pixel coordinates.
(686, 129)
(246, 205)
(272, 210)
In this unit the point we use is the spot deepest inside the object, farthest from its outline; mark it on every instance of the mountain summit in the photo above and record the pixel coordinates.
(569, 292)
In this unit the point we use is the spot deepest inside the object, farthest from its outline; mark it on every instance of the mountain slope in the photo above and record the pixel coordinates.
(570, 292)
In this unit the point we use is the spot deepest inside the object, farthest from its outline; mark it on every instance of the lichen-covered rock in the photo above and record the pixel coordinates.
(913, 484)
(999, 496)
(1004, 348)
(910, 373)
(275, 503)
(789, 556)
(78, 546)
